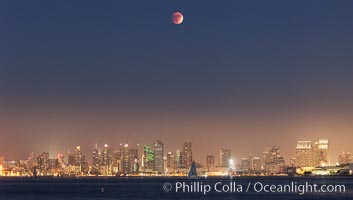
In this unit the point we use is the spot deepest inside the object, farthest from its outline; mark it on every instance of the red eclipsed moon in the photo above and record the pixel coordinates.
(178, 18)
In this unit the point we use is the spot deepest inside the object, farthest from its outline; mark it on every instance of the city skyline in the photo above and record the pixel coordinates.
(304, 146)
(136, 160)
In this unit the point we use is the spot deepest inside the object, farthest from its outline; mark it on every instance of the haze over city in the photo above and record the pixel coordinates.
(121, 72)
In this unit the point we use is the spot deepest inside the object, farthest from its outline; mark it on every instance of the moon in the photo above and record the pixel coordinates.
(177, 18)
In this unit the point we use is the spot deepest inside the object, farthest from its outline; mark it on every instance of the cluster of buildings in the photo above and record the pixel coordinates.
(153, 160)
(312, 154)
(271, 162)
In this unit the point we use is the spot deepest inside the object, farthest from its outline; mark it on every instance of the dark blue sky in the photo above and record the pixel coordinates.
(73, 70)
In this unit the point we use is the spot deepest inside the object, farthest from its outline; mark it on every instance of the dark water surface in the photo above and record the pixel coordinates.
(152, 188)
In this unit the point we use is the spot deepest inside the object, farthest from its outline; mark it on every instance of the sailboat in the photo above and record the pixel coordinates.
(193, 172)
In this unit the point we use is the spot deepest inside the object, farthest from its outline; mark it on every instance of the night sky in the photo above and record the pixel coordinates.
(243, 75)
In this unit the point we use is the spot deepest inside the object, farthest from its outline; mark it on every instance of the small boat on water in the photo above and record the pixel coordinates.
(193, 172)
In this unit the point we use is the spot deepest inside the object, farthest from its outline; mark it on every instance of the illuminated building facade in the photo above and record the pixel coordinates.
(187, 155)
(210, 163)
(158, 157)
(43, 163)
(303, 154)
(321, 153)
(148, 158)
(256, 165)
(224, 157)
(171, 162)
(96, 161)
(310, 154)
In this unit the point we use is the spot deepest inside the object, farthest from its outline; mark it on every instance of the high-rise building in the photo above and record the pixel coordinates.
(126, 161)
(77, 159)
(129, 159)
(117, 161)
(275, 153)
(210, 163)
(71, 158)
(245, 164)
(187, 155)
(224, 157)
(321, 153)
(304, 154)
(310, 154)
(345, 158)
(134, 164)
(148, 158)
(266, 157)
(256, 164)
(179, 160)
(43, 163)
(171, 162)
(106, 156)
(275, 163)
(96, 159)
(60, 158)
(158, 157)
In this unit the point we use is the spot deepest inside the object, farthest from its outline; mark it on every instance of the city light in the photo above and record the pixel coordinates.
(231, 164)
(127, 160)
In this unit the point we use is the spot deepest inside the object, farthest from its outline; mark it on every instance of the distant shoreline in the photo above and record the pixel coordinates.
(152, 178)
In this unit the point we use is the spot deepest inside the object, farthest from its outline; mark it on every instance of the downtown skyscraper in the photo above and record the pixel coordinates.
(224, 157)
(309, 154)
(158, 157)
(187, 155)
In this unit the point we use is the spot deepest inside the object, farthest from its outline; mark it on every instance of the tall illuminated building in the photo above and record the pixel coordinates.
(126, 159)
(158, 157)
(245, 164)
(43, 163)
(77, 159)
(71, 158)
(148, 158)
(117, 161)
(275, 153)
(256, 164)
(60, 158)
(304, 154)
(224, 157)
(266, 157)
(96, 159)
(179, 160)
(321, 153)
(310, 154)
(129, 159)
(171, 162)
(134, 164)
(106, 156)
(187, 155)
(210, 163)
